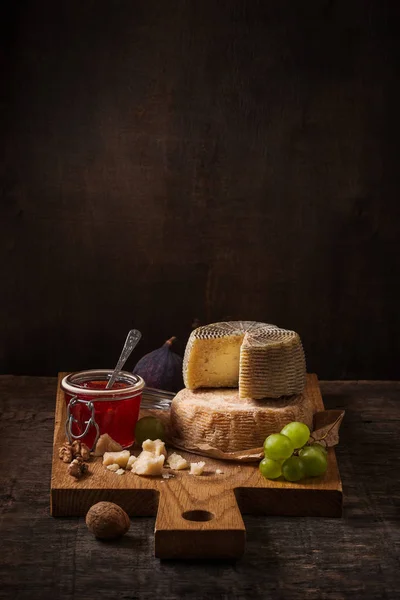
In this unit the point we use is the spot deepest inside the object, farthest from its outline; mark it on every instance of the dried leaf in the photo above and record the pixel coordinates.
(326, 427)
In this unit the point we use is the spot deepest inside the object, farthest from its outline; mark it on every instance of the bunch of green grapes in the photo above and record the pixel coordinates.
(286, 454)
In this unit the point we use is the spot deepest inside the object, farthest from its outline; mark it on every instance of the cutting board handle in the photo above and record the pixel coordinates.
(189, 527)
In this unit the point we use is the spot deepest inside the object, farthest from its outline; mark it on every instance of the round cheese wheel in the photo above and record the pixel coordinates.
(262, 360)
(224, 421)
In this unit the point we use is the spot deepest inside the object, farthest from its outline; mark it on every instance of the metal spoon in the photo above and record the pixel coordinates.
(131, 341)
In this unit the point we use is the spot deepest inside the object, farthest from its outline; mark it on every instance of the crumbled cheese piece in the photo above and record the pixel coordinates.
(148, 464)
(120, 458)
(131, 460)
(144, 454)
(120, 472)
(113, 467)
(218, 472)
(167, 475)
(197, 468)
(157, 447)
(177, 462)
(106, 444)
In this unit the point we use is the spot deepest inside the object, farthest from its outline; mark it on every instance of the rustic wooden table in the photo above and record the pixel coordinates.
(290, 558)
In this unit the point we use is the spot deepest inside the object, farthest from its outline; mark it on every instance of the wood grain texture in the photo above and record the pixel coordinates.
(218, 498)
(353, 557)
(169, 160)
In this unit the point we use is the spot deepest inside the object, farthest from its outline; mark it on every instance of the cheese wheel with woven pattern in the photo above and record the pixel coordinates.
(223, 420)
(263, 360)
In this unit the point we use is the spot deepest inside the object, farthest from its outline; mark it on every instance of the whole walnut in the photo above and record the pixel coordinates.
(107, 520)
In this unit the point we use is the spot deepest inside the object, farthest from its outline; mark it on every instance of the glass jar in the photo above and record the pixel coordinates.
(92, 410)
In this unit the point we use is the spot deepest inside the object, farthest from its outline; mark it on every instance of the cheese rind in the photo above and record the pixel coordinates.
(220, 419)
(272, 364)
(262, 360)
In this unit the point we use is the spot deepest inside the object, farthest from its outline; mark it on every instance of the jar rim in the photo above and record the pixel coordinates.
(69, 383)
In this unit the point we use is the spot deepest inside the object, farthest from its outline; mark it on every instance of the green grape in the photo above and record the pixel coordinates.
(315, 461)
(320, 447)
(297, 432)
(149, 428)
(270, 469)
(293, 469)
(278, 446)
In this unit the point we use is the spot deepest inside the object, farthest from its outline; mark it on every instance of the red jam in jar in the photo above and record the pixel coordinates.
(113, 411)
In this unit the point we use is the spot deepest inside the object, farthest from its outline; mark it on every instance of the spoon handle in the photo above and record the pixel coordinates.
(132, 339)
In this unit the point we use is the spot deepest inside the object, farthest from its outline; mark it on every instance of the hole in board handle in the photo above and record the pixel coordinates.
(197, 515)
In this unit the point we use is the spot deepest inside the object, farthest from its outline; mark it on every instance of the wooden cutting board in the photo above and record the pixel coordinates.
(196, 517)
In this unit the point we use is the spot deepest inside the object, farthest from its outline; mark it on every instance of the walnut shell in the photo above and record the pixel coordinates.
(107, 520)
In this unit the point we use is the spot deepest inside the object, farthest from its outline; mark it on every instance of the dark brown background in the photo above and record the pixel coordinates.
(211, 159)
